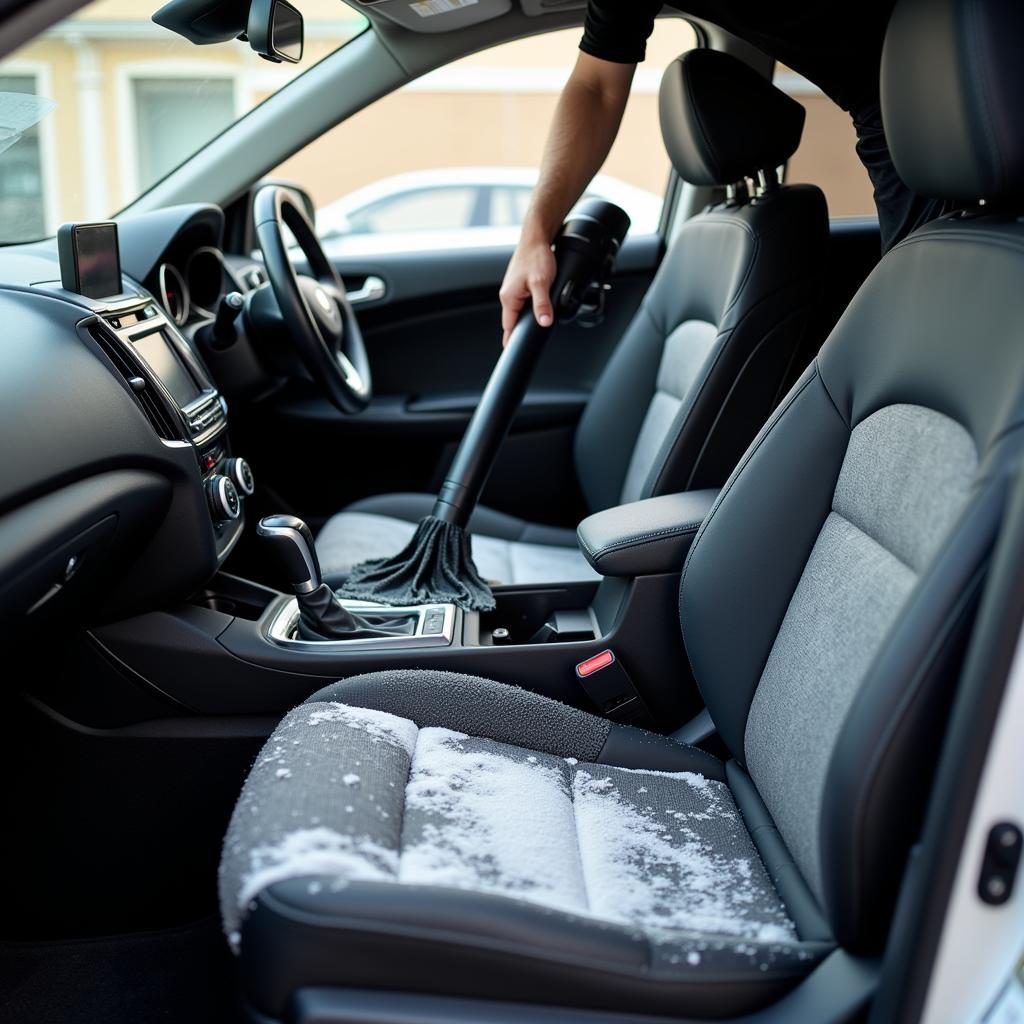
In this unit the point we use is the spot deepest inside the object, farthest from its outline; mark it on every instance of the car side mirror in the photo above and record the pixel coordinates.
(275, 31)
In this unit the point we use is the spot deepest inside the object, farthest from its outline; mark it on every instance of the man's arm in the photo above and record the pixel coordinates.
(586, 122)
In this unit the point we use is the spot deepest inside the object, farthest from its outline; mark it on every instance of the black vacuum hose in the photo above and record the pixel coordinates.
(585, 252)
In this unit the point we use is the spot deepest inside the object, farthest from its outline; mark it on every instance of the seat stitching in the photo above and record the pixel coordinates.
(751, 452)
(643, 539)
(405, 797)
(875, 540)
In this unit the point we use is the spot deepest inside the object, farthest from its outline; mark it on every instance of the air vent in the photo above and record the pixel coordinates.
(164, 420)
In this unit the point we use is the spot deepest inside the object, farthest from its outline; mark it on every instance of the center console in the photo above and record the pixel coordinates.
(181, 401)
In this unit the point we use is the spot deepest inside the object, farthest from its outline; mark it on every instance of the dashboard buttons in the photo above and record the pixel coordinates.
(223, 498)
(241, 476)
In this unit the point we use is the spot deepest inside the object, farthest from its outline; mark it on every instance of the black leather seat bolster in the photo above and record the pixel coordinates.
(644, 538)
(472, 944)
(801, 905)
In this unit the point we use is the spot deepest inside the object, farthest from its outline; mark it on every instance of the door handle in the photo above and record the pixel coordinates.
(372, 290)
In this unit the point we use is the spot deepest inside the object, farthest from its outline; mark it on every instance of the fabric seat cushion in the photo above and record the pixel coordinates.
(506, 549)
(650, 874)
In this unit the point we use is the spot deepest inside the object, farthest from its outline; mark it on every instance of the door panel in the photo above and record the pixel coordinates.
(433, 340)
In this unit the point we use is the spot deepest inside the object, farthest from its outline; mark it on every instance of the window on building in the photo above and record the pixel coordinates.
(174, 117)
(827, 156)
(22, 194)
(477, 127)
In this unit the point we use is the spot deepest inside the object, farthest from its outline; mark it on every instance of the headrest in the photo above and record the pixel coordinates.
(952, 97)
(722, 121)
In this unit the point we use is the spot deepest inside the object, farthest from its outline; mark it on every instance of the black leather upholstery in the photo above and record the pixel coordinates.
(901, 341)
(475, 945)
(952, 112)
(754, 273)
(644, 538)
(722, 121)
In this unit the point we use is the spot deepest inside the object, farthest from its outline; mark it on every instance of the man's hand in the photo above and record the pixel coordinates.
(586, 121)
(530, 275)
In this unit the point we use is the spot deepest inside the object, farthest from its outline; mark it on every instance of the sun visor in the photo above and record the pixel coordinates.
(437, 15)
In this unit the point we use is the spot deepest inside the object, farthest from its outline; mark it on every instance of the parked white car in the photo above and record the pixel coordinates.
(458, 207)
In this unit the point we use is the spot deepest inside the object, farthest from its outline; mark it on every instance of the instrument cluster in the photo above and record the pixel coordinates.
(191, 289)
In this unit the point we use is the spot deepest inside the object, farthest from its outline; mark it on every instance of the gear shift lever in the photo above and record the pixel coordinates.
(321, 615)
(291, 541)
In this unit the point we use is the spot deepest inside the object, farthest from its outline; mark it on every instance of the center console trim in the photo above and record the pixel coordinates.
(283, 623)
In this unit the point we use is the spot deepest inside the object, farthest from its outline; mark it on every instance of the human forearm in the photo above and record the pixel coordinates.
(585, 125)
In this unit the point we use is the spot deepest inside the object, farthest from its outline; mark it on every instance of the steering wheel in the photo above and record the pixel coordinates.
(315, 309)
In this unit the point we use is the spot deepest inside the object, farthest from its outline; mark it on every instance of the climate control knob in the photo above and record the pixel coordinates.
(241, 476)
(225, 504)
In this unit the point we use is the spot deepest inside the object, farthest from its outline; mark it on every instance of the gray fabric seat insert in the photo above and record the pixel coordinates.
(345, 802)
(506, 549)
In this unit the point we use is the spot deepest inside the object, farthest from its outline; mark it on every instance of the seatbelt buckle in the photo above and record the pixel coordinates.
(606, 682)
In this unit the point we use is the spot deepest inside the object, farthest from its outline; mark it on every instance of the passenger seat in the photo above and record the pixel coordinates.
(704, 361)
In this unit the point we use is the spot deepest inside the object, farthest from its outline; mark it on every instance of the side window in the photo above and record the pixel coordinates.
(827, 157)
(23, 194)
(456, 153)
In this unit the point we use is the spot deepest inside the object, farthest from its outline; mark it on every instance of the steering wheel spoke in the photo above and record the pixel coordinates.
(317, 316)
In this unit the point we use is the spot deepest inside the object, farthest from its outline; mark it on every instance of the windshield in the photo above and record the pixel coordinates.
(104, 104)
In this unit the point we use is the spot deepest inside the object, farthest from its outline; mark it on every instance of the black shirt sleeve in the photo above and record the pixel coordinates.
(618, 30)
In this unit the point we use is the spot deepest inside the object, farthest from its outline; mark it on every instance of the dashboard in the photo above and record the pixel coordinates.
(119, 490)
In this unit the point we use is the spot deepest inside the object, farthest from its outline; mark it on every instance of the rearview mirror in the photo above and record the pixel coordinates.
(275, 31)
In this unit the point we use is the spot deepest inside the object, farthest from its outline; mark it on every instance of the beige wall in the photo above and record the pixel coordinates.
(492, 108)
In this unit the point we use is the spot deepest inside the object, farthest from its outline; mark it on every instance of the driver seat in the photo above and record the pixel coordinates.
(707, 357)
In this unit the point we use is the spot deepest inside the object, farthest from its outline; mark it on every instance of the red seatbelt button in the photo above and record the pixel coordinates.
(595, 664)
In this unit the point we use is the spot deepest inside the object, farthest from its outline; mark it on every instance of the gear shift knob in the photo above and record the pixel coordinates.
(291, 541)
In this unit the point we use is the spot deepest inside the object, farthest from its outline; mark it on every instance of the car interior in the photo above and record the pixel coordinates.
(753, 532)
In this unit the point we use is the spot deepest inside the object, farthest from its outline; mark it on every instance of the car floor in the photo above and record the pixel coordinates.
(182, 975)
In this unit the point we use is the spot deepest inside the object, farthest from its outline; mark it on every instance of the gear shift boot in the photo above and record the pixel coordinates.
(323, 617)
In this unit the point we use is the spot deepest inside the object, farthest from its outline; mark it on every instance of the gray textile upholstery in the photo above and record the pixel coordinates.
(470, 704)
(347, 804)
(905, 478)
(381, 527)
(686, 361)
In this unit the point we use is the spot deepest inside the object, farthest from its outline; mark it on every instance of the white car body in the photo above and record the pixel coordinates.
(342, 235)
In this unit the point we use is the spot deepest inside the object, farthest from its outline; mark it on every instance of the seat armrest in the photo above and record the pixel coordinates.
(644, 538)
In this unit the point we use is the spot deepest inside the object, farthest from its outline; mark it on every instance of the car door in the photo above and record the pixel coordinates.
(426, 287)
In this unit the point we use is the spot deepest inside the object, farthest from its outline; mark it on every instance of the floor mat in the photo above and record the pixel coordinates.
(182, 975)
